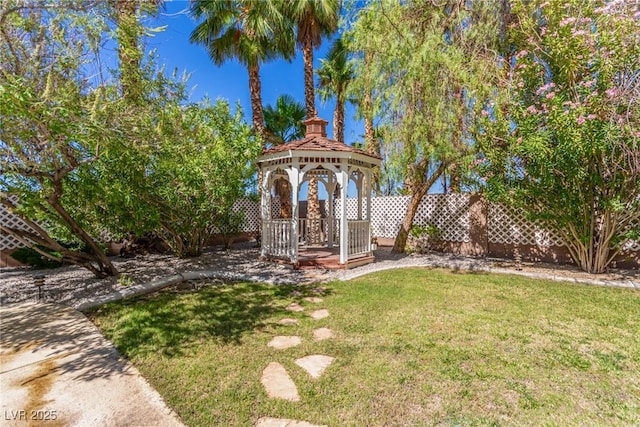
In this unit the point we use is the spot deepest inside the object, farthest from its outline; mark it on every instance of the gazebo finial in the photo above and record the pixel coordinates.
(316, 127)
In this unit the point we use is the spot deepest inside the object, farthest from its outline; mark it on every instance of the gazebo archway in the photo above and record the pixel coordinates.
(333, 164)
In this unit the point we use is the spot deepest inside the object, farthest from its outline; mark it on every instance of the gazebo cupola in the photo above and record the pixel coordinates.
(332, 163)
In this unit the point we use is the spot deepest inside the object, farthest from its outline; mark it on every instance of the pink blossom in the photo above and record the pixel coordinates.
(522, 54)
(581, 120)
(484, 113)
(544, 88)
(637, 15)
(589, 83)
(520, 84)
(531, 109)
(611, 92)
(519, 140)
(578, 33)
(550, 95)
(567, 21)
(543, 31)
(591, 117)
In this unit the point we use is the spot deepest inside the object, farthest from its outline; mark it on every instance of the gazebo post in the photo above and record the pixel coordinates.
(358, 182)
(265, 203)
(331, 187)
(343, 181)
(369, 187)
(294, 180)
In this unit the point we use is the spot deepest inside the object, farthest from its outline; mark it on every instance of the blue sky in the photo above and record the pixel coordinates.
(231, 81)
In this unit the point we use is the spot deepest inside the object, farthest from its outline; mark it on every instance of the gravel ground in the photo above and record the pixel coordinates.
(73, 285)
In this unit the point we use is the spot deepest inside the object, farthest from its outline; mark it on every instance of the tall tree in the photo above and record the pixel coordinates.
(424, 52)
(284, 123)
(51, 130)
(562, 141)
(249, 31)
(334, 75)
(314, 19)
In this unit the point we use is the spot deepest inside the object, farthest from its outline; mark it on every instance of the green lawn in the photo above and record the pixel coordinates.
(412, 347)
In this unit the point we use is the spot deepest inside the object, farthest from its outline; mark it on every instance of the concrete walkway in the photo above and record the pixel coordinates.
(56, 369)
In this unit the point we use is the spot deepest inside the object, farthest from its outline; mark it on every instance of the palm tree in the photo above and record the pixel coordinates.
(284, 122)
(334, 75)
(250, 31)
(314, 19)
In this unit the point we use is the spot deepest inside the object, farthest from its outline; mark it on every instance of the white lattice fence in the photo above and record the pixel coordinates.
(450, 213)
(251, 213)
(632, 245)
(10, 220)
(508, 225)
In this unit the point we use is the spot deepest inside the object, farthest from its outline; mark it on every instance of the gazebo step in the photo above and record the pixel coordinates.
(333, 263)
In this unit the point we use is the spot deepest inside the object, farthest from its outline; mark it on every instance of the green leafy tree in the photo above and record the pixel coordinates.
(249, 31)
(434, 64)
(51, 127)
(563, 140)
(192, 182)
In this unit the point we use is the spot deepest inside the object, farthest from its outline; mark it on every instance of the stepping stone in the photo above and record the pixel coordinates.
(278, 384)
(315, 364)
(281, 343)
(288, 321)
(294, 306)
(320, 314)
(315, 300)
(283, 422)
(322, 334)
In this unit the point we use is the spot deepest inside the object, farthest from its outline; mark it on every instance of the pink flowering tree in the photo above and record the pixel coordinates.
(563, 139)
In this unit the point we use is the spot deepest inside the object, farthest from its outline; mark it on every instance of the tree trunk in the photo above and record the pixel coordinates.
(283, 190)
(416, 197)
(129, 53)
(255, 89)
(338, 118)
(313, 211)
(105, 268)
(309, 95)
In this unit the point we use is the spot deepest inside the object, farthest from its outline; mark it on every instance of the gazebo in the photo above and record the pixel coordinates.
(339, 230)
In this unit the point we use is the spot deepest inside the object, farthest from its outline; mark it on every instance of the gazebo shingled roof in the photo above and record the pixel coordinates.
(316, 140)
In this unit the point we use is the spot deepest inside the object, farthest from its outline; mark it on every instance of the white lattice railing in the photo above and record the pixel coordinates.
(276, 238)
(359, 237)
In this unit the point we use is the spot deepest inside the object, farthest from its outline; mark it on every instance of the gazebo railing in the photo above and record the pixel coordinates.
(359, 237)
(305, 230)
(276, 237)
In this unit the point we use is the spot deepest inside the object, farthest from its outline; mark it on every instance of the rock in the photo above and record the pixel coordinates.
(322, 334)
(288, 321)
(315, 364)
(282, 342)
(278, 384)
(315, 300)
(320, 314)
(294, 306)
